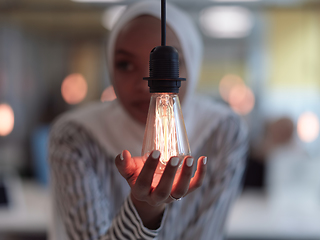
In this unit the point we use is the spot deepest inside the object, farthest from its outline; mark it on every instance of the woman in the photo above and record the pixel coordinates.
(97, 197)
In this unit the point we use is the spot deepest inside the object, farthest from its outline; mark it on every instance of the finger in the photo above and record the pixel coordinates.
(144, 180)
(182, 186)
(162, 191)
(197, 180)
(125, 165)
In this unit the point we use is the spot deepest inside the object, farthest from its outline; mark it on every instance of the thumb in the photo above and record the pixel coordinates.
(125, 165)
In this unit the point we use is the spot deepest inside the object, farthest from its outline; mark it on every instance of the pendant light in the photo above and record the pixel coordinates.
(165, 130)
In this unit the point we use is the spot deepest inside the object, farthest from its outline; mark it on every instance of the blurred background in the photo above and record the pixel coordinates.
(261, 57)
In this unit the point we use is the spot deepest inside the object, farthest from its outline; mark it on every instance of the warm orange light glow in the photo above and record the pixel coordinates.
(6, 119)
(308, 127)
(227, 83)
(108, 94)
(74, 88)
(166, 139)
(241, 99)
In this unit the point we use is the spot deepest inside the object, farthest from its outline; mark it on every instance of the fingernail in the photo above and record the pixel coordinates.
(189, 161)
(121, 156)
(155, 154)
(205, 161)
(174, 161)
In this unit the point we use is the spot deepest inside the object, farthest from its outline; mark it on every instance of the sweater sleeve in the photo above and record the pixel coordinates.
(228, 148)
(84, 208)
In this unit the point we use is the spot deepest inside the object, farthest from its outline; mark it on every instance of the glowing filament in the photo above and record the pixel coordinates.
(166, 135)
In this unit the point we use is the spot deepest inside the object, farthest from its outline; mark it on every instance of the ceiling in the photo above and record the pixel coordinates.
(58, 17)
(68, 4)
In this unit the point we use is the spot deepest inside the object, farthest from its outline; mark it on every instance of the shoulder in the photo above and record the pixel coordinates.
(207, 120)
(71, 128)
(229, 138)
(218, 112)
(78, 118)
(69, 136)
(231, 129)
(230, 126)
(91, 109)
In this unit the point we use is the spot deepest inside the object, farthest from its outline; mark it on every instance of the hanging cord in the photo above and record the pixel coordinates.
(163, 22)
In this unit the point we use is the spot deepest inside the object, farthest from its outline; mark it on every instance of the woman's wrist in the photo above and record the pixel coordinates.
(151, 216)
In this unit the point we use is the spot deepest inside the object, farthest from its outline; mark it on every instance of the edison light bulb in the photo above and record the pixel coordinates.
(165, 130)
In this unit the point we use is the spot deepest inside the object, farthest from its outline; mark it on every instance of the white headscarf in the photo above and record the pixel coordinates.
(109, 122)
(182, 26)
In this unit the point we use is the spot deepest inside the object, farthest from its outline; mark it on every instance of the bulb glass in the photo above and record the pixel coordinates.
(165, 129)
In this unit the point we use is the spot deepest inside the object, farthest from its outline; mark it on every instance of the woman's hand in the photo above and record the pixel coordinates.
(150, 201)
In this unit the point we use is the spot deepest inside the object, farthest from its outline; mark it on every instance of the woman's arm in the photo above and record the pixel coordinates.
(82, 204)
(226, 163)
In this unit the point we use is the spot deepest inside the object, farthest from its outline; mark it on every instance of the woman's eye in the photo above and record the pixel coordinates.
(124, 66)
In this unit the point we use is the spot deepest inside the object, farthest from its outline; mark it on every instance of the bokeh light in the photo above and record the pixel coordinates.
(108, 94)
(74, 88)
(227, 83)
(111, 16)
(226, 22)
(97, 1)
(6, 119)
(241, 99)
(308, 127)
(234, 91)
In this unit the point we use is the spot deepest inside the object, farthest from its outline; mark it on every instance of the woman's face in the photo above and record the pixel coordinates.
(131, 63)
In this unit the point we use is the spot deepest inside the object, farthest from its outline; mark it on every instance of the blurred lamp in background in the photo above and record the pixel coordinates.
(234, 91)
(6, 119)
(227, 83)
(111, 16)
(74, 88)
(308, 127)
(241, 99)
(226, 22)
(97, 1)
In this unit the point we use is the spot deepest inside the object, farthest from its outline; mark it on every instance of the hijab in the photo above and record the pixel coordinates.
(182, 26)
(109, 122)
